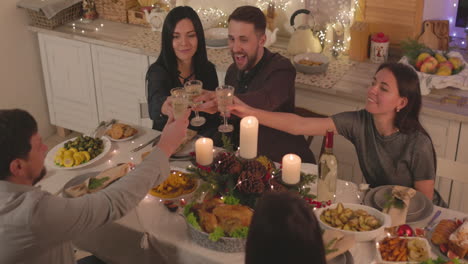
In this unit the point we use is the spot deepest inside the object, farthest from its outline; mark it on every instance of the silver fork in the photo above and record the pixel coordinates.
(431, 224)
(99, 131)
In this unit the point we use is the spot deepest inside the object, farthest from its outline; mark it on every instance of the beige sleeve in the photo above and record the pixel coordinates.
(57, 219)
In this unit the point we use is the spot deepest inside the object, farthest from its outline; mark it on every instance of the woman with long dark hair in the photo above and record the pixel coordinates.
(391, 144)
(183, 58)
(284, 230)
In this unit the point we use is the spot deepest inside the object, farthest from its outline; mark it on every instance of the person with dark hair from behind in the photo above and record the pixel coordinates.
(392, 146)
(182, 58)
(284, 230)
(262, 79)
(37, 227)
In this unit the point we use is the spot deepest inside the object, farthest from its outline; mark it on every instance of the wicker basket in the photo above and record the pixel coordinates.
(68, 14)
(115, 10)
(137, 17)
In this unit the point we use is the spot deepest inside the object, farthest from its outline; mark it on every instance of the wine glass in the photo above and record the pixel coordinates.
(194, 89)
(224, 97)
(180, 101)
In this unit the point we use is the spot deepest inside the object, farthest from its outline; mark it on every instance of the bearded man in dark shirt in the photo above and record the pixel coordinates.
(261, 79)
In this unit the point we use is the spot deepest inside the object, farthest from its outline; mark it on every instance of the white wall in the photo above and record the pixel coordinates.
(443, 10)
(21, 82)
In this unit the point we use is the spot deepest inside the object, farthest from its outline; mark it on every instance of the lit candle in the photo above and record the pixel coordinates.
(248, 137)
(204, 151)
(291, 172)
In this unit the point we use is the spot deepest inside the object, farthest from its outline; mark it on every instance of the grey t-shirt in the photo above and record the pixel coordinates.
(398, 159)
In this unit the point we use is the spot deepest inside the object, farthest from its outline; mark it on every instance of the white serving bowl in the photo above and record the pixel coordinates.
(358, 235)
(216, 37)
(381, 261)
(317, 57)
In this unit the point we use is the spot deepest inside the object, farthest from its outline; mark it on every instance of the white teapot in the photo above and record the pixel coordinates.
(270, 36)
(155, 18)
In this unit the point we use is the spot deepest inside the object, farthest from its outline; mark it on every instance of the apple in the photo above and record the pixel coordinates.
(421, 58)
(440, 57)
(446, 64)
(444, 70)
(429, 65)
(456, 62)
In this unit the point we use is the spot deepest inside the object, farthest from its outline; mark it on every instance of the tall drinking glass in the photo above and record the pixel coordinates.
(224, 97)
(179, 101)
(194, 89)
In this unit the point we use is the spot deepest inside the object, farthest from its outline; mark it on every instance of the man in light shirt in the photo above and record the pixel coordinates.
(37, 227)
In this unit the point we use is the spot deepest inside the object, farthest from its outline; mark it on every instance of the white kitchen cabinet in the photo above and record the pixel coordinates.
(459, 195)
(120, 85)
(69, 82)
(444, 135)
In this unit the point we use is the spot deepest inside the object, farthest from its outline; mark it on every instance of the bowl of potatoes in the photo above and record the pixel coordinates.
(363, 222)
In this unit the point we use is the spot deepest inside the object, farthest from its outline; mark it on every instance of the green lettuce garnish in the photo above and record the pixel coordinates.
(241, 232)
(191, 219)
(217, 234)
(231, 200)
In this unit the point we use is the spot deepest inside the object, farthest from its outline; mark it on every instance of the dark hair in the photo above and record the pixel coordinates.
(407, 119)
(252, 15)
(16, 129)
(167, 57)
(284, 230)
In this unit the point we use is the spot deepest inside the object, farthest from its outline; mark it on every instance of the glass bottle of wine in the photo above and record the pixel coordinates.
(328, 170)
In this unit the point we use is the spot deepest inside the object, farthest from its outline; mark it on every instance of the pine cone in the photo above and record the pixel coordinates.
(277, 187)
(250, 184)
(255, 168)
(228, 163)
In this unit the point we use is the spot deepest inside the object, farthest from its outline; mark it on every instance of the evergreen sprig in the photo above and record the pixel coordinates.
(227, 144)
(412, 48)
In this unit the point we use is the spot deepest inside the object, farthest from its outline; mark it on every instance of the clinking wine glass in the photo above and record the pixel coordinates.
(180, 101)
(224, 97)
(194, 89)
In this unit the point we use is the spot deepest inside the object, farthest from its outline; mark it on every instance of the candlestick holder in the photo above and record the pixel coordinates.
(278, 176)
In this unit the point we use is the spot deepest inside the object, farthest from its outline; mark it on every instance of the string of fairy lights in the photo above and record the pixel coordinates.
(342, 20)
(216, 17)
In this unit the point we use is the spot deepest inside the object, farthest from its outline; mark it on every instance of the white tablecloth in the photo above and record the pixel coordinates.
(152, 234)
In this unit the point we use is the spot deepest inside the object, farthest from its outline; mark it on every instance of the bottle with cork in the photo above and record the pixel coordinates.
(328, 171)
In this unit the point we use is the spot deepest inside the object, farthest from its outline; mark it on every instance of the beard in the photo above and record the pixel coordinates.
(41, 175)
(250, 60)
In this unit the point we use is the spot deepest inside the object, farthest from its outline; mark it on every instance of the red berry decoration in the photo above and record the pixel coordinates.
(405, 230)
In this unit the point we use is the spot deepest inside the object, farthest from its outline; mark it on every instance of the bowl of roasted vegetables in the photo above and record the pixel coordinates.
(363, 222)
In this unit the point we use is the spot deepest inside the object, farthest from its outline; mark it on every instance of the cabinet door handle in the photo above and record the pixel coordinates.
(144, 110)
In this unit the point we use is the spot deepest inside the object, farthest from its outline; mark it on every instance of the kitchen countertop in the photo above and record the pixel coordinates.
(345, 78)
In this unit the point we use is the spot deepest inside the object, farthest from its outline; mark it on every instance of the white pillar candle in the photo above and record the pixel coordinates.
(291, 172)
(204, 151)
(248, 137)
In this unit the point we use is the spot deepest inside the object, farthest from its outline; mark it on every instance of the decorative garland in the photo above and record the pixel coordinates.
(243, 181)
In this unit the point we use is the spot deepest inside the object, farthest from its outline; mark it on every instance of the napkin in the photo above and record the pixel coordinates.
(336, 242)
(398, 204)
(112, 175)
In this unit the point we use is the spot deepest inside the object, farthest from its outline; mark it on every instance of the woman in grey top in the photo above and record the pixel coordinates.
(391, 144)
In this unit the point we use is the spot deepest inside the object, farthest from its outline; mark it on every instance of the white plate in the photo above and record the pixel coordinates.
(49, 160)
(379, 256)
(185, 196)
(187, 149)
(122, 139)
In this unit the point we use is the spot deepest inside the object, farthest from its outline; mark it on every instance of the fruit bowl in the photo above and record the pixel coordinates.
(439, 64)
